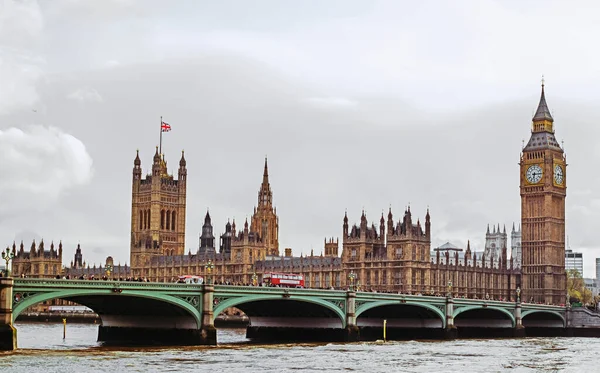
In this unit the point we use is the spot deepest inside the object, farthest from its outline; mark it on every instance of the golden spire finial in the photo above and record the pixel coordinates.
(543, 80)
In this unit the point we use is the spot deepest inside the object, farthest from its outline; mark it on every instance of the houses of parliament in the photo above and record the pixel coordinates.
(395, 256)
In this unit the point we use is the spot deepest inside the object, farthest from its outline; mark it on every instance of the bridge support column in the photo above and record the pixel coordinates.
(8, 333)
(450, 331)
(519, 328)
(208, 332)
(352, 331)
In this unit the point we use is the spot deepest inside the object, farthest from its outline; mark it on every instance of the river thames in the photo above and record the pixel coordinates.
(42, 349)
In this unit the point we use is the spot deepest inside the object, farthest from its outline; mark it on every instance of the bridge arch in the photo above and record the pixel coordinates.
(543, 318)
(371, 305)
(486, 311)
(239, 301)
(81, 294)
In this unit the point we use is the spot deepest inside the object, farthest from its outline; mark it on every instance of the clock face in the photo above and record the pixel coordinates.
(534, 174)
(559, 175)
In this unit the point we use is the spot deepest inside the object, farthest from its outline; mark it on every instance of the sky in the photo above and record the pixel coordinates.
(357, 104)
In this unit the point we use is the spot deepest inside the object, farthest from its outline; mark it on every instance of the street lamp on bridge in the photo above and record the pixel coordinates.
(209, 267)
(518, 291)
(108, 269)
(7, 256)
(449, 289)
(254, 279)
(351, 277)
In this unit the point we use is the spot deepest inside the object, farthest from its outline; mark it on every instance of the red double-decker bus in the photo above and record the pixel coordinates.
(286, 280)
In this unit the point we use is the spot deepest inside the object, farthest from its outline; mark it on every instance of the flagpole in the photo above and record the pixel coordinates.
(161, 131)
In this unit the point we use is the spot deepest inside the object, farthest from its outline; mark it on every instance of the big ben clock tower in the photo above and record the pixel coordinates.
(543, 191)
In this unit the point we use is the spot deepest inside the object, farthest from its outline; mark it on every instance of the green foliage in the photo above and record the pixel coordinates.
(576, 287)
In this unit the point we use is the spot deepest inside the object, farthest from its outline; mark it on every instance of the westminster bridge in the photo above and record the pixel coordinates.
(169, 313)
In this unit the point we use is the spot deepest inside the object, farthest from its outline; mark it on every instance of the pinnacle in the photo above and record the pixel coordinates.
(542, 112)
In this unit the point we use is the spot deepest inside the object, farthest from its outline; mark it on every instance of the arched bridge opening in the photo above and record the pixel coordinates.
(131, 318)
(290, 319)
(543, 319)
(482, 321)
(402, 321)
(129, 311)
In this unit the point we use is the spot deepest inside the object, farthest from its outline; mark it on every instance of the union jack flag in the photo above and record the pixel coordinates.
(165, 127)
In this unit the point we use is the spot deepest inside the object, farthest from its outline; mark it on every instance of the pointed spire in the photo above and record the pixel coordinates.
(182, 162)
(542, 112)
(137, 161)
(488, 229)
(504, 230)
(156, 156)
(513, 228)
(266, 172)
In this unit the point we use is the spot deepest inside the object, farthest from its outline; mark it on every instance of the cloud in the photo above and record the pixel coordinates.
(85, 95)
(331, 102)
(38, 165)
(21, 25)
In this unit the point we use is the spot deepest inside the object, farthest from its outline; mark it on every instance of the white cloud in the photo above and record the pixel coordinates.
(85, 95)
(38, 165)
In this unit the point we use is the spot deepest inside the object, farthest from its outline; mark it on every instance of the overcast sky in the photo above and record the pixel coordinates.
(357, 104)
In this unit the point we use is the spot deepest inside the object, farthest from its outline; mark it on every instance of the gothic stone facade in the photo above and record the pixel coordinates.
(158, 204)
(543, 186)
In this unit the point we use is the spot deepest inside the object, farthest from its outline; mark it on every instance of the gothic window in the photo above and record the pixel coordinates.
(173, 221)
(398, 253)
(141, 219)
(162, 219)
(148, 219)
(45, 269)
(168, 219)
(353, 254)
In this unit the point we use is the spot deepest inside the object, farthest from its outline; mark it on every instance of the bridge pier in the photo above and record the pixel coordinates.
(450, 332)
(8, 333)
(352, 331)
(208, 332)
(519, 328)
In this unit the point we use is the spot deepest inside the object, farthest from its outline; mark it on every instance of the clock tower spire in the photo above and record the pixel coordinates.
(543, 192)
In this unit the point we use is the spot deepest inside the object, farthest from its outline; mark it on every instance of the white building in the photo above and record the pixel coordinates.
(574, 260)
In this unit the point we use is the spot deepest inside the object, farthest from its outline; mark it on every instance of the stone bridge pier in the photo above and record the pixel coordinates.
(8, 333)
(352, 330)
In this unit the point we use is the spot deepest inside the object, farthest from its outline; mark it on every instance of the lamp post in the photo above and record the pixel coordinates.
(7, 256)
(449, 289)
(209, 267)
(254, 279)
(108, 269)
(518, 294)
(351, 277)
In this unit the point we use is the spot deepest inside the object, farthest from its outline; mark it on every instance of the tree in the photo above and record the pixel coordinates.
(576, 287)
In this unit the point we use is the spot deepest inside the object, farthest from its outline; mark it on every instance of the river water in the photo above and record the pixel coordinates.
(42, 349)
